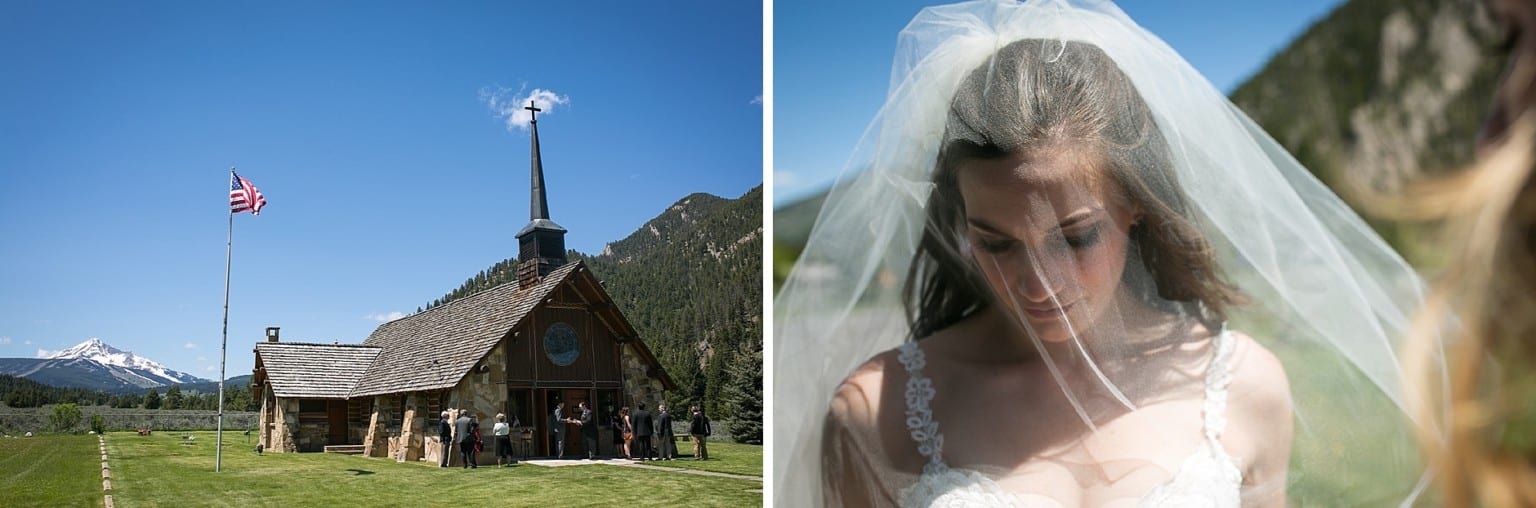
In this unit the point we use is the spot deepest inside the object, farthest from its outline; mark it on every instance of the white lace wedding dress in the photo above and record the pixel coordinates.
(1208, 478)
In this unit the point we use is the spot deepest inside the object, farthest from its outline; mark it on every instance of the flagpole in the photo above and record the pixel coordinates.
(229, 241)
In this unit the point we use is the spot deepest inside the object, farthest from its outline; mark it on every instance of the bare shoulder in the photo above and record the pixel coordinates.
(1259, 383)
(1259, 412)
(856, 402)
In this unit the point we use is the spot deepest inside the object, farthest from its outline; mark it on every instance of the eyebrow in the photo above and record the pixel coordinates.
(1071, 220)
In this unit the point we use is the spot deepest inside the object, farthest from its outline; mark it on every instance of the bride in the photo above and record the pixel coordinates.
(1073, 274)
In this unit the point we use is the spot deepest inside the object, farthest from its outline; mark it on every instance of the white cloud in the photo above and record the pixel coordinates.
(5, 341)
(385, 318)
(27, 342)
(44, 353)
(758, 100)
(508, 105)
(209, 369)
(189, 345)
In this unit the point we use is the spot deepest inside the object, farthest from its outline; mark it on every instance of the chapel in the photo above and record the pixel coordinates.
(553, 335)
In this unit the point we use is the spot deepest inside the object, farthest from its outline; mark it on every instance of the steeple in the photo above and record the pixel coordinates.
(541, 244)
(540, 207)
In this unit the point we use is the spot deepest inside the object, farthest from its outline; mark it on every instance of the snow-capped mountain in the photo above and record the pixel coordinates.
(100, 352)
(95, 365)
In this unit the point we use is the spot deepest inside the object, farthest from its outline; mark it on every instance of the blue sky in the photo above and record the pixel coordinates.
(832, 65)
(389, 177)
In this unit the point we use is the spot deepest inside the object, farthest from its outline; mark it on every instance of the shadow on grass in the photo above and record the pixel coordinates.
(360, 472)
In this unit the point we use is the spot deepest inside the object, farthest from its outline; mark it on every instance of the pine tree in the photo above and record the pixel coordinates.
(715, 379)
(744, 404)
(173, 398)
(152, 399)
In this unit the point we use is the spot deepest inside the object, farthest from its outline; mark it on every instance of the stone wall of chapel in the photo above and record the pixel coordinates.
(639, 386)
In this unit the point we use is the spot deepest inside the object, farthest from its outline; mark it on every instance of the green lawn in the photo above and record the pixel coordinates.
(50, 470)
(161, 471)
(724, 457)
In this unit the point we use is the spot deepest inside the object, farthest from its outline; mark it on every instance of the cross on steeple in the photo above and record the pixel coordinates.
(534, 111)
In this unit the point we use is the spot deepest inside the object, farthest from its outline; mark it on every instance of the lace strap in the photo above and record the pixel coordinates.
(920, 423)
(1217, 377)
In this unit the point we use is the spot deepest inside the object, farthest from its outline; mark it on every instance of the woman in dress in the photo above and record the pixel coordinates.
(1108, 287)
(626, 430)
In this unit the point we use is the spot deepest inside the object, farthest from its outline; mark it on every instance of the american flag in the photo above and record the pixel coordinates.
(243, 196)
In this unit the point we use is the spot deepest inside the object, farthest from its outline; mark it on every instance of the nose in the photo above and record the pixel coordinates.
(1035, 281)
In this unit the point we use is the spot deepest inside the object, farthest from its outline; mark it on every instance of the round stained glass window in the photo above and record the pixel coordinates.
(561, 344)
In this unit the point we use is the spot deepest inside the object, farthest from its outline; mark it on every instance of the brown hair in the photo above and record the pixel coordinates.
(1483, 309)
(1032, 94)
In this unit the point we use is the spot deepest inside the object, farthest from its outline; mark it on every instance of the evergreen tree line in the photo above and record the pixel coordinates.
(690, 281)
(22, 392)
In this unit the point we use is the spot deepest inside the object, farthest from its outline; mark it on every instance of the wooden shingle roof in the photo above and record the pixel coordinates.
(436, 348)
(314, 371)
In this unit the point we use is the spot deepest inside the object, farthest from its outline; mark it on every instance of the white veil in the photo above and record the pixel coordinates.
(1320, 289)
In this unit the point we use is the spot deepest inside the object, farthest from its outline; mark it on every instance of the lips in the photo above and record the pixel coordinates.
(1044, 313)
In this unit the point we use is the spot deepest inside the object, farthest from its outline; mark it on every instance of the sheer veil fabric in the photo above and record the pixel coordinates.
(1050, 178)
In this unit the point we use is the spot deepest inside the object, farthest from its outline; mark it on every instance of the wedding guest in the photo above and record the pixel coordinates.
(503, 434)
(699, 428)
(629, 433)
(464, 427)
(664, 433)
(644, 427)
(445, 437)
(616, 422)
(557, 429)
(588, 430)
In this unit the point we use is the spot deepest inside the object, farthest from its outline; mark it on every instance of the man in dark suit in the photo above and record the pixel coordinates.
(445, 436)
(464, 427)
(699, 428)
(644, 426)
(557, 429)
(664, 433)
(588, 430)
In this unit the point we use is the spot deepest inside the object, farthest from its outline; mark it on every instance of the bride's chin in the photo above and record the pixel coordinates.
(1051, 334)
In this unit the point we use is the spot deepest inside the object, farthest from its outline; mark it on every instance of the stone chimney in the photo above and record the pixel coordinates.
(272, 333)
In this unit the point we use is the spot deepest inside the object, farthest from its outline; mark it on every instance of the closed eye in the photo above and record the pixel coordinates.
(996, 246)
(1083, 240)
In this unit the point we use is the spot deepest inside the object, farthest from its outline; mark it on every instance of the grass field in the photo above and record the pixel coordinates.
(733, 458)
(159, 470)
(50, 471)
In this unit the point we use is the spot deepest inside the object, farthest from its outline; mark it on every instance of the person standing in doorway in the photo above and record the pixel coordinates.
(557, 430)
(616, 421)
(588, 430)
(699, 428)
(664, 433)
(645, 426)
